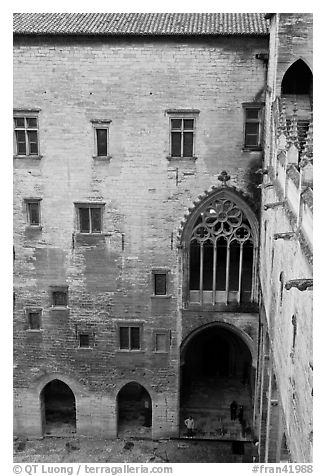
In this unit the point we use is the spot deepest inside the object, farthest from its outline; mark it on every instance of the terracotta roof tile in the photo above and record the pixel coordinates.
(140, 23)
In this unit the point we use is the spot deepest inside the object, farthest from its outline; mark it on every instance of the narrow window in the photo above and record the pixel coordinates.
(102, 142)
(252, 128)
(182, 137)
(129, 337)
(84, 340)
(33, 211)
(34, 319)
(26, 135)
(90, 218)
(160, 284)
(101, 138)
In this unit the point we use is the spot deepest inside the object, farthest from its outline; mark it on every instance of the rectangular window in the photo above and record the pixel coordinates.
(90, 218)
(101, 138)
(60, 298)
(26, 134)
(34, 319)
(253, 126)
(33, 211)
(84, 340)
(182, 137)
(160, 284)
(129, 337)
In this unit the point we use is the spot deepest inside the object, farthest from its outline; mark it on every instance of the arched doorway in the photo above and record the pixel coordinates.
(134, 411)
(58, 407)
(216, 369)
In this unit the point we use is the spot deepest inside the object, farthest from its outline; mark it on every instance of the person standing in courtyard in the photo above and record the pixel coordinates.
(233, 410)
(190, 424)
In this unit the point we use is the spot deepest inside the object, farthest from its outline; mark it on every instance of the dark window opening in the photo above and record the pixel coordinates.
(160, 284)
(60, 298)
(84, 340)
(208, 251)
(33, 213)
(297, 79)
(194, 265)
(221, 251)
(234, 266)
(102, 142)
(129, 338)
(34, 320)
(294, 324)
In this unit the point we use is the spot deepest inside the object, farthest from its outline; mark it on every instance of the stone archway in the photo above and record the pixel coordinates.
(216, 369)
(134, 411)
(58, 409)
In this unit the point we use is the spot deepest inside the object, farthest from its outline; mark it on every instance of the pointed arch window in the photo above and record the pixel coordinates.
(222, 255)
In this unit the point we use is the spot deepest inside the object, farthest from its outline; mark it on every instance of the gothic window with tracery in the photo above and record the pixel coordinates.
(222, 255)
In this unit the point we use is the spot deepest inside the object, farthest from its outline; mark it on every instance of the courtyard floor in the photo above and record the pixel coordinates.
(86, 450)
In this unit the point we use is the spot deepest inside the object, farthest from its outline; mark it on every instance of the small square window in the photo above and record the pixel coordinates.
(34, 319)
(252, 126)
(101, 138)
(84, 340)
(89, 218)
(129, 337)
(33, 210)
(59, 295)
(26, 142)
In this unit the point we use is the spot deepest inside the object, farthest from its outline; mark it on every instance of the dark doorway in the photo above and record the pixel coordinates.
(58, 409)
(134, 411)
(216, 370)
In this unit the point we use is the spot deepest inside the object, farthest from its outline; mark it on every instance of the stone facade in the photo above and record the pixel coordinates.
(133, 85)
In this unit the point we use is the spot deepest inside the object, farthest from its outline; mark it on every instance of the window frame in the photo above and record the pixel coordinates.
(167, 334)
(89, 205)
(101, 124)
(31, 310)
(64, 288)
(129, 325)
(26, 114)
(258, 121)
(183, 114)
(90, 340)
(27, 203)
(166, 272)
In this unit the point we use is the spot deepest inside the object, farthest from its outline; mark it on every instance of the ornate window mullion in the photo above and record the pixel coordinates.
(254, 275)
(227, 272)
(214, 274)
(240, 272)
(201, 273)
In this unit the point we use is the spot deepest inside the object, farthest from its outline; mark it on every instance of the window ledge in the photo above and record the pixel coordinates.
(252, 149)
(59, 308)
(164, 352)
(79, 233)
(104, 158)
(84, 348)
(161, 296)
(34, 157)
(127, 351)
(193, 158)
(35, 331)
(34, 227)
